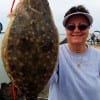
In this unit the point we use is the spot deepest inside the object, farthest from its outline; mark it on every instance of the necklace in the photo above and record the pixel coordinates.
(77, 59)
(78, 65)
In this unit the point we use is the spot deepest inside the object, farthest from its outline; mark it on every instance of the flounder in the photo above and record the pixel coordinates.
(30, 47)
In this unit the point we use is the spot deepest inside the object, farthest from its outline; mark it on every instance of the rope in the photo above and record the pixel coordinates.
(12, 6)
(13, 91)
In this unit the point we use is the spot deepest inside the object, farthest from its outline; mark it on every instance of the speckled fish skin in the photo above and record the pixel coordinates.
(30, 47)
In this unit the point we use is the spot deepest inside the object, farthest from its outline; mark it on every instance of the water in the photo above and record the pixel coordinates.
(3, 74)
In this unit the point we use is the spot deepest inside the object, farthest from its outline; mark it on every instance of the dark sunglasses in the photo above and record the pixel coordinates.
(81, 26)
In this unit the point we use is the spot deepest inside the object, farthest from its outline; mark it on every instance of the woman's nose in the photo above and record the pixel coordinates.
(76, 29)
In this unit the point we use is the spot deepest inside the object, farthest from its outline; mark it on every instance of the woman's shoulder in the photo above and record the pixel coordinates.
(63, 45)
(94, 49)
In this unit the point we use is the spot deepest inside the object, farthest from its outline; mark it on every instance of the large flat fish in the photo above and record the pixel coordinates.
(30, 47)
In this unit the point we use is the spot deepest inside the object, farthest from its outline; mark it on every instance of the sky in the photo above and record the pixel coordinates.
(58, 7)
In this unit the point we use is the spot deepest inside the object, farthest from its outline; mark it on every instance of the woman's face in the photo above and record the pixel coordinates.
(77, 30)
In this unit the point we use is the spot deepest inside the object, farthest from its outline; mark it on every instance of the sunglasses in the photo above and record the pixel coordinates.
(81, 26)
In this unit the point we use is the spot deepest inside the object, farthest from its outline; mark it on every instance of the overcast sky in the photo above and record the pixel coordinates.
(58, 7)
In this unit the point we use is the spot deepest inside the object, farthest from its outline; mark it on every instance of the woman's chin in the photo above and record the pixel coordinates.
(77, 42)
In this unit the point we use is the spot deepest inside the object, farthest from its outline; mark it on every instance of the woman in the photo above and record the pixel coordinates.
(77, 75)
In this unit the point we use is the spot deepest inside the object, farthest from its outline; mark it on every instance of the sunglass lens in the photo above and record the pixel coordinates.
(83, 26)
(70, 27)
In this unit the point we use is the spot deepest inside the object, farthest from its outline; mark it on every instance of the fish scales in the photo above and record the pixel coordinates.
(30, 47)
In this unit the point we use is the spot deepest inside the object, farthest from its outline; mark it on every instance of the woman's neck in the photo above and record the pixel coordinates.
(78, 48)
